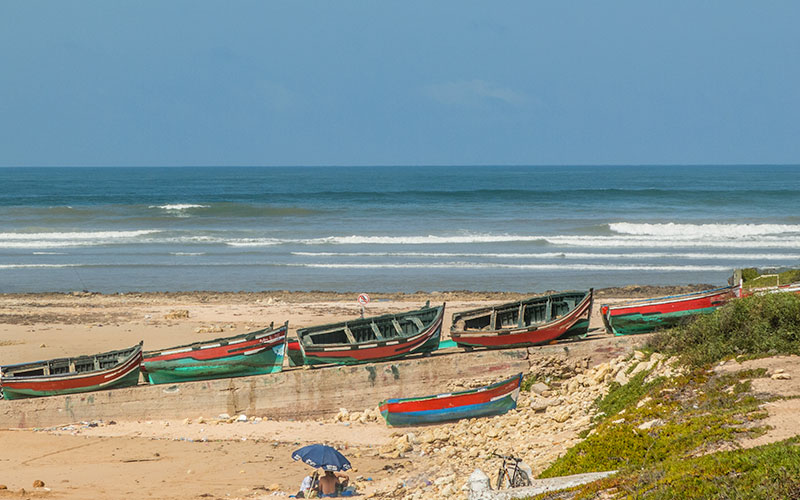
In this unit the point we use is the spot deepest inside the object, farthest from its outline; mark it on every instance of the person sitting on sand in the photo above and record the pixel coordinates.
(330, 484)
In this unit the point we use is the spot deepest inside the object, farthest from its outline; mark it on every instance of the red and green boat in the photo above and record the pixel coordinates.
(532, 321)
(494, 399)
(108, 370)
(378, 338)
(649, 315)
(254, 353)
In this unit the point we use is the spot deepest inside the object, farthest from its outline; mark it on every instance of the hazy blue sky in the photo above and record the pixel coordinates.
(399, 82)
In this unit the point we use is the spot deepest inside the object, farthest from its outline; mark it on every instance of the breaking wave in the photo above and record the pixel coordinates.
(703, 230)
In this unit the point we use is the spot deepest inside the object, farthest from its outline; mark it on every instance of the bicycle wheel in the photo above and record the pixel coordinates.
(520, 479)
(500, 474)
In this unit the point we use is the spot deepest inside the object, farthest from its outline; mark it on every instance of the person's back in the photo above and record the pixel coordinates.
(327, 484)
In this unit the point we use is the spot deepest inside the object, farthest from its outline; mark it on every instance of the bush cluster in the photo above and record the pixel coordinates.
(760, 325)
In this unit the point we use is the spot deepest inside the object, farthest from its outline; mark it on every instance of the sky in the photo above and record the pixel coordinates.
(343, 82)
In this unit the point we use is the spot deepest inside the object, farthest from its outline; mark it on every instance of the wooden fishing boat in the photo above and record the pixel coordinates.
(648, 315)
(294, 353)
(253, 353)
(379, 338)
(533, 321)
(72, 375)
(494, 399)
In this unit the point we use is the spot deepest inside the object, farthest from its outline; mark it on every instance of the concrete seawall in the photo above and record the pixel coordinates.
(296, 393)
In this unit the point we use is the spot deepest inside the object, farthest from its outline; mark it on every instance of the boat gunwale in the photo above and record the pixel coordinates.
(489, 309)
(445, 395)
(588, 300)
(264, 332)
(134, 352)
(303, 332)
(667, 299)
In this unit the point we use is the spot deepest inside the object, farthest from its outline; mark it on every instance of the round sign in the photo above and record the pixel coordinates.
(363, 299)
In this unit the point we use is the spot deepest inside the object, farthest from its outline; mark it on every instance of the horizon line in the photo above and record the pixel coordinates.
(437, 165)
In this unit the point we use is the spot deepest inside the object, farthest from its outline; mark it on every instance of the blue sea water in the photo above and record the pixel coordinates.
(383, 229)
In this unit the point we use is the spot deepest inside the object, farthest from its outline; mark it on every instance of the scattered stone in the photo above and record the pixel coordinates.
(539, 388)
(242, 418)
(38, 483)
(177, 314)
(652, 423)
(781, 376)
(3, 487)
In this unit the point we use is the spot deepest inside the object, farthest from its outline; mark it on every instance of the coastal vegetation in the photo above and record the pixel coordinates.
(753, 278)
(678, 436)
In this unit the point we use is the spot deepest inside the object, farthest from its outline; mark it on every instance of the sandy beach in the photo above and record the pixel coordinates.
(206, 456)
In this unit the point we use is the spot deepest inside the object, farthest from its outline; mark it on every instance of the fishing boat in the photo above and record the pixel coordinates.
(253, 353)
(648, 315)
(494, 399)
(294, 353)
(55, 377)
(532, 321)
(379, 338)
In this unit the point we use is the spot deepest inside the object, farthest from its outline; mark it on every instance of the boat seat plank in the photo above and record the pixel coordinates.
(397, 327)
(350, 337)
(376, 331)
(416, 321)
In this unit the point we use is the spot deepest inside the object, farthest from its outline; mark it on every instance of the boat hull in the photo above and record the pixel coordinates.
(573, 324)
(125, 374)
(260, 355)
(424, 342)
(664, 312)
(486, 401)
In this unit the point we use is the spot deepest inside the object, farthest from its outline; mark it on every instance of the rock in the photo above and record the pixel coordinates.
(3, 487)
(187, 421)
(274, 487)
(38, 483)
(177, 314)
(223, 416)
(781, 376)
(621, 378)
(541, 404)
(242, 418)
(539, 388)
(42, 345)
(652, 423)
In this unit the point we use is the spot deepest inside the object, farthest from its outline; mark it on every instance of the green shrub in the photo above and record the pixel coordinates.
(760, 325)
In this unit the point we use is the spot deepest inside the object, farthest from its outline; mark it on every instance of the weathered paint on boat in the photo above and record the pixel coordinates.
(294, 353)
(494, 399)
(122, 371)
(254, 353)
(422, 338)
(505, 325)
(649, 315)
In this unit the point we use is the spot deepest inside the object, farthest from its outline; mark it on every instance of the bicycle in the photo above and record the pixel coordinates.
(510, 474)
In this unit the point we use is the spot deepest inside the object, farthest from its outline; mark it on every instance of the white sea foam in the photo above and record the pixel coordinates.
(187, 254)
(49, 253)
(34, 266)
(562, 255)
(178, 206)
(89, 235)
(535, 267)
(760, 242)
(703, 230)
(69, 239)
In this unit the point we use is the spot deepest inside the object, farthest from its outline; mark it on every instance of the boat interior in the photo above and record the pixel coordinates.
(386, 327)
(63, 366)
(530, 312)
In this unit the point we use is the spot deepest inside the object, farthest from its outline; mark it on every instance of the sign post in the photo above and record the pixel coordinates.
(363, 299)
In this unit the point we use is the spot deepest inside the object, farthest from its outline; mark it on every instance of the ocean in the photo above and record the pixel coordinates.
(388, 229)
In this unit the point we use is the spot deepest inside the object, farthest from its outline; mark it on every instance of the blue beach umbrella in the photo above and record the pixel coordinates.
(322, 457)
